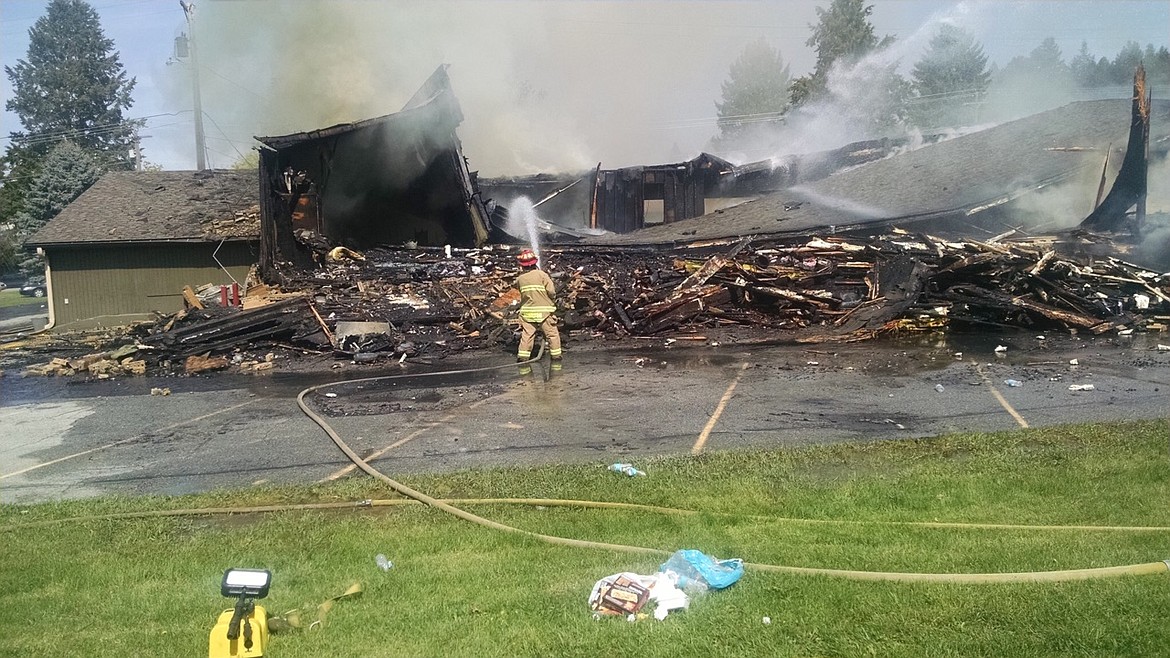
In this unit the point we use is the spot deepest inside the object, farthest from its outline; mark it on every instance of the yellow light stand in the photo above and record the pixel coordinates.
(243, 630)
(219, 646)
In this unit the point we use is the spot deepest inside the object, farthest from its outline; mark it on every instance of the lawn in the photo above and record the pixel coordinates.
(12, 297)
(149, 586)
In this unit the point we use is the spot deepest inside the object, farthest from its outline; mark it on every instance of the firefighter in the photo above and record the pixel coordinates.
(536, 308)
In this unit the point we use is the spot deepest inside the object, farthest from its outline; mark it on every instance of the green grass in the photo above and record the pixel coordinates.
(150, 586)
(12, 297)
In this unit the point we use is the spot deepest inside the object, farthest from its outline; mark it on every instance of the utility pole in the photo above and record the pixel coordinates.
(200, 144)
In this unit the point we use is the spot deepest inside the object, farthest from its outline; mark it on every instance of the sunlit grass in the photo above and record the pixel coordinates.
(150, 586)
(12, 297)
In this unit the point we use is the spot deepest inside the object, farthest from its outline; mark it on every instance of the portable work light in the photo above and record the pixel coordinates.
(246, 619)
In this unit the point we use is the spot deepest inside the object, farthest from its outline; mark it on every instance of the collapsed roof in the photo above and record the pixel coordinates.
(960, 177)
(393, 179)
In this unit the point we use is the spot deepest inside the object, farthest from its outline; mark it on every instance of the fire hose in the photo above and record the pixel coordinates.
(971, 578)
(415, 496)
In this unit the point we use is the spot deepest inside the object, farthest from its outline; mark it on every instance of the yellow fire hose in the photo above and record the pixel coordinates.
(415, 496)
(1035, 576)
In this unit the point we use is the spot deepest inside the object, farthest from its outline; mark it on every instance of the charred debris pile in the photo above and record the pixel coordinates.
(386, 304)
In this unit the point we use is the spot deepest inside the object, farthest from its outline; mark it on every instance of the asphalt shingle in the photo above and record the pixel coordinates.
(952, 176)
(159, 206)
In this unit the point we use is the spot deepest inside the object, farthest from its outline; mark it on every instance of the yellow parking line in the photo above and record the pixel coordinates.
(999, 396)
(702, 440)
(342, 472)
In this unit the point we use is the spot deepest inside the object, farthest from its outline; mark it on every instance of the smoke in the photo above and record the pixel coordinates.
(1154, 250)
(544, 87)
(874, 98)
(860, 101)
(551, 86)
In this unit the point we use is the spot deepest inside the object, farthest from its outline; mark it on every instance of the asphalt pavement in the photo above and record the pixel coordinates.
(22, 317)
(70, 438)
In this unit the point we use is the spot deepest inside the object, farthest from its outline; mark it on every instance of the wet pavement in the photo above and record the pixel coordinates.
(66, 438)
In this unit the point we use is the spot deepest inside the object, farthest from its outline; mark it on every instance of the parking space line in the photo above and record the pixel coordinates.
(133, 438)
(999, 396)
(702, 440)
(346, 470)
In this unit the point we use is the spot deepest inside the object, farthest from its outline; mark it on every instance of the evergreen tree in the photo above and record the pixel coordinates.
(71, 85)
(1044, 61)
(10, 254)
(1034, 83)
(754, 94)
(1125, 63)
(842, 34)
(951, 75)
(1084, 68)
(67, 171)
(1158, 68)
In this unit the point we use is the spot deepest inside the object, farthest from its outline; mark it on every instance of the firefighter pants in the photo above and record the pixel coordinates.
(528, 334)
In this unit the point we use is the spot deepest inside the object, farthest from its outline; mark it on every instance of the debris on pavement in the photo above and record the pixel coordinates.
(401, 303)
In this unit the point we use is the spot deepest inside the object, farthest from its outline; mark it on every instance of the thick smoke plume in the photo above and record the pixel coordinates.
(543, 86)
(560, 86)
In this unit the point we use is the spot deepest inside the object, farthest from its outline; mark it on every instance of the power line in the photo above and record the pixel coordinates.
(230, 142)
(65, 133)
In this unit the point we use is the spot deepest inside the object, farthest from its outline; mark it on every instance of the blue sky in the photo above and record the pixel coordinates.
(616, 81)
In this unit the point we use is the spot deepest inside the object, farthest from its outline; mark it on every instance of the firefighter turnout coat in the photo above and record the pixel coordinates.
(536, 296)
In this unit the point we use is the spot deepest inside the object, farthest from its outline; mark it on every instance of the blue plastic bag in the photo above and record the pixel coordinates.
(696, 566)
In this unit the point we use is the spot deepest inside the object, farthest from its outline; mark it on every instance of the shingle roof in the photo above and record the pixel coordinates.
(953, 176)
(159, 206)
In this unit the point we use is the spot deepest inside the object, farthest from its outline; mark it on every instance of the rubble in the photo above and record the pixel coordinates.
(402, 303)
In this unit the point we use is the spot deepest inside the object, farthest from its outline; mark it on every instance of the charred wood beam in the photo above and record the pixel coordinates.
(1130, 187)
(237, 328)
(996, 302)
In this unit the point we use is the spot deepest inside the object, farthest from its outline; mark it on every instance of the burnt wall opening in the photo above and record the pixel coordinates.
(385, 185)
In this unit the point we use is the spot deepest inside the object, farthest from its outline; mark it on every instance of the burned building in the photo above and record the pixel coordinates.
(563, 199)
(983, 183)
(623, 200)
(620, 195)
(393, 179)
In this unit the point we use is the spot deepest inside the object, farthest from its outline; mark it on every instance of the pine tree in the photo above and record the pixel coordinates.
(755, 92)
(1085, 70)
(71, 85)
(66, 172)
(1126, 62)
(843, 34)
(1031, 84)
(952, 75)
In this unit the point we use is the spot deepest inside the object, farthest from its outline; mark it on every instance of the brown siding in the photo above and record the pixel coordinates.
(111, 285)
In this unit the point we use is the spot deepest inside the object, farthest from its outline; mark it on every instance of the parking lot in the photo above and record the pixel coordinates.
(71, 438)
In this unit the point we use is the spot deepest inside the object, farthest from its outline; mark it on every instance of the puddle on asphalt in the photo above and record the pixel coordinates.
(893, 355)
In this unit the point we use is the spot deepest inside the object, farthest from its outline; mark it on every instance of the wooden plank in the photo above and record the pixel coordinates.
(191, 298)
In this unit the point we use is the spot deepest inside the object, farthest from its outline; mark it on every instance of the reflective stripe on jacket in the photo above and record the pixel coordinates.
(536, 296)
